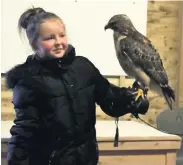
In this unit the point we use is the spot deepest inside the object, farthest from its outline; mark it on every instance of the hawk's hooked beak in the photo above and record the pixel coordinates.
(106, 27)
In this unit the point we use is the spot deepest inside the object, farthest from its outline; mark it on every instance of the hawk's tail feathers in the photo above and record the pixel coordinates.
(168, 94)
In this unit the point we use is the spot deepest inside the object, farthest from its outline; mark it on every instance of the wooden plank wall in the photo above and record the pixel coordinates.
(179, 93)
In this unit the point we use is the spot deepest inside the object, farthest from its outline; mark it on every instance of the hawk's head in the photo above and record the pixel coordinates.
(120, 23)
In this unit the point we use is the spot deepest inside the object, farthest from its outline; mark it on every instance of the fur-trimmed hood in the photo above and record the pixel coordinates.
(35, 66)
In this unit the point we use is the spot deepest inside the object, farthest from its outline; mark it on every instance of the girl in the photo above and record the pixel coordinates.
(54, 96)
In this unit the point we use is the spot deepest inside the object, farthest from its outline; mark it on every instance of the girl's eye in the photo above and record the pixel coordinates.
(62, 35)
(49, 38)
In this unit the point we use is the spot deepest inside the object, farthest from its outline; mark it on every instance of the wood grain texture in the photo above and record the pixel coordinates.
(179, 93)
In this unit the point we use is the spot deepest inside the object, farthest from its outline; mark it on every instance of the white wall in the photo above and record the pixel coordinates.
(85, 21)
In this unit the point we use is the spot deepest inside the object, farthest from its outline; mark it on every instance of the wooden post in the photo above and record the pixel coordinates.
(179, 92)
(122, 81)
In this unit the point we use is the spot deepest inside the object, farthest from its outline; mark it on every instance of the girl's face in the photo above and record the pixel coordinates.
(52, 39)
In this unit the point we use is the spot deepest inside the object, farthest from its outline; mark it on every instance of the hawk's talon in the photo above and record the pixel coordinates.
(139, 93)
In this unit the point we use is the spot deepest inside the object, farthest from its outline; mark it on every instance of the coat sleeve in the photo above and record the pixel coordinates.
(25, 126)
(112, 99)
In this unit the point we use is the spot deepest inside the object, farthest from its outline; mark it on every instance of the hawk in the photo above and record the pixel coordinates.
(139, 58)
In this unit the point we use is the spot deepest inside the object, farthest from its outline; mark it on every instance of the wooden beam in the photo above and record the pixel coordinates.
(179, 90)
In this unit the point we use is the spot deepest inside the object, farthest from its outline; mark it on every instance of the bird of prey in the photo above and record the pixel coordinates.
(139, 58)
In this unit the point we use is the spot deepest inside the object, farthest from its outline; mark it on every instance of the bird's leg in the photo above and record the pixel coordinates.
(141, 90)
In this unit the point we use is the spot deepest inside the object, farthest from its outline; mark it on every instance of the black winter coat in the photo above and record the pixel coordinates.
(55, 104)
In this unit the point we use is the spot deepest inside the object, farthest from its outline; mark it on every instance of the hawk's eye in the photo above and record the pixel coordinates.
(112, 23)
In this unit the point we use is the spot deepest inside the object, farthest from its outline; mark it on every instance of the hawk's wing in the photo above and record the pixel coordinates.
(145, 57)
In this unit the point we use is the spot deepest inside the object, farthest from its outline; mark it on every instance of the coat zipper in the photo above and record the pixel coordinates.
(52, 156)
(67, 93)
